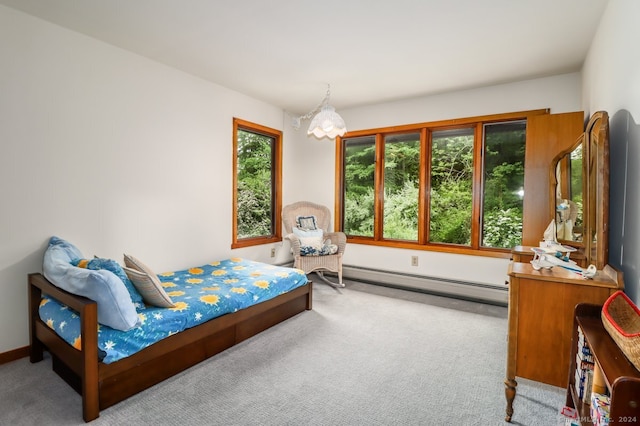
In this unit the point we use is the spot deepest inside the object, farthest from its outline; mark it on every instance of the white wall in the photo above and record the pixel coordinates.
(117, 153)
(612, 83)
(112, 151)
(313, 163)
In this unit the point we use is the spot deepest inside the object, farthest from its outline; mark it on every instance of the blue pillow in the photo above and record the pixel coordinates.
(98, 263)
(115, 308)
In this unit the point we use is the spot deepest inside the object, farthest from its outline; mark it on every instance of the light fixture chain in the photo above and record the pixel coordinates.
(326, 123)
(320, 105)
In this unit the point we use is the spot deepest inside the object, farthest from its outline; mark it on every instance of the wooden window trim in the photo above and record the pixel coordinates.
(277, 184)
(426, 129)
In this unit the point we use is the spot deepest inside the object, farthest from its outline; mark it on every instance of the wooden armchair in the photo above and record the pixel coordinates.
(314, 263)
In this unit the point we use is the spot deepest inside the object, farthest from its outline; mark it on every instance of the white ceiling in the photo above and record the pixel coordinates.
(285, 52)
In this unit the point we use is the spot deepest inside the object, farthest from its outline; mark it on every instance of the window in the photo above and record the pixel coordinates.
(451, 195)
(401, 185)
(359, 169)
(257, 184)
(503, 185)
(455, 185)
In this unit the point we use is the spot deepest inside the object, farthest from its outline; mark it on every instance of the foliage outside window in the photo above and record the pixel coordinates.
(359, 170)
(401, 186)
(504, 145)
(455, 185)
(450, 212)
(257, 184)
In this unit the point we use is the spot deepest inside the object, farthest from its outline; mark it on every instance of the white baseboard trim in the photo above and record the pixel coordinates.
(452, 288)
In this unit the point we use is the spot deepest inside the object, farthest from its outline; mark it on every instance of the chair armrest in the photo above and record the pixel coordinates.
(295, 243)
(337, 238)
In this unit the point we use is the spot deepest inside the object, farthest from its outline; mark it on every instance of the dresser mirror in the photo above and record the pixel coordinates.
(569, 189)
(580, 192)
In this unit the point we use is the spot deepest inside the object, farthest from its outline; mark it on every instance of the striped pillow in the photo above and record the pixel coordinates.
(150, 288)
(153, 293)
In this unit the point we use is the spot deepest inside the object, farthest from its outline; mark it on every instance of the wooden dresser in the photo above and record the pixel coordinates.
(541, 312)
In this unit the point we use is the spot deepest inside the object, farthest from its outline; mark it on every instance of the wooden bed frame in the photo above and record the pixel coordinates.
(103, 385)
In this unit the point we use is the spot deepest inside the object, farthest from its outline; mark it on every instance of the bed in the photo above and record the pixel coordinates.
(106, 371)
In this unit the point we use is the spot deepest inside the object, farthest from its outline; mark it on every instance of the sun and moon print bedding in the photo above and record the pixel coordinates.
(199, 294)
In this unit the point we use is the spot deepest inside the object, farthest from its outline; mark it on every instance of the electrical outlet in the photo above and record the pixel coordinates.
(414, 260)
(273, 252)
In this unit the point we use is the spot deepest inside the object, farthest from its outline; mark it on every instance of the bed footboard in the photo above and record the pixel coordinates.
(102, 385)
(79, 368)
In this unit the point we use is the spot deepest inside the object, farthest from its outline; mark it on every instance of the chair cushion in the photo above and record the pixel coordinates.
(312, 243)
(325, 250)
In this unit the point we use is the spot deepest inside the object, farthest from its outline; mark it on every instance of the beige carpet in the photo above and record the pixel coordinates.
(365, 355)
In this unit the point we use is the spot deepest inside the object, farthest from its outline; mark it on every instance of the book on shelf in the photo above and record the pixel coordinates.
(584, 369)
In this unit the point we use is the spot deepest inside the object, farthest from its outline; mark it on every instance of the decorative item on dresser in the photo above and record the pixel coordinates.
(525, 254)
(542, 302)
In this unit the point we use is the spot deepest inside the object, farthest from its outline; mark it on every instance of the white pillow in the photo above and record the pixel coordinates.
(310, 238)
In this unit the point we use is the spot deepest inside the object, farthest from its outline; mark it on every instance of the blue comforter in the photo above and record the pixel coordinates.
(199, 294)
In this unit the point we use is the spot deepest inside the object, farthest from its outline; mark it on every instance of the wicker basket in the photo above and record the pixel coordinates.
(621, 318)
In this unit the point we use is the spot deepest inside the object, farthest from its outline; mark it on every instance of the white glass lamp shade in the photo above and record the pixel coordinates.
(327, 123)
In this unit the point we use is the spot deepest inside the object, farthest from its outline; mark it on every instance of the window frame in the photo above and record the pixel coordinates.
(425, 129)
(383, 159)
(276, 184)
(482, 206)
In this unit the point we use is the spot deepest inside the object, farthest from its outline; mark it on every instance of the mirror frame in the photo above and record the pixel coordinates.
(595, 190)
(598, 187)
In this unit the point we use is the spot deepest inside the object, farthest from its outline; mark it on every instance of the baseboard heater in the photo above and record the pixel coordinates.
(480, 292)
